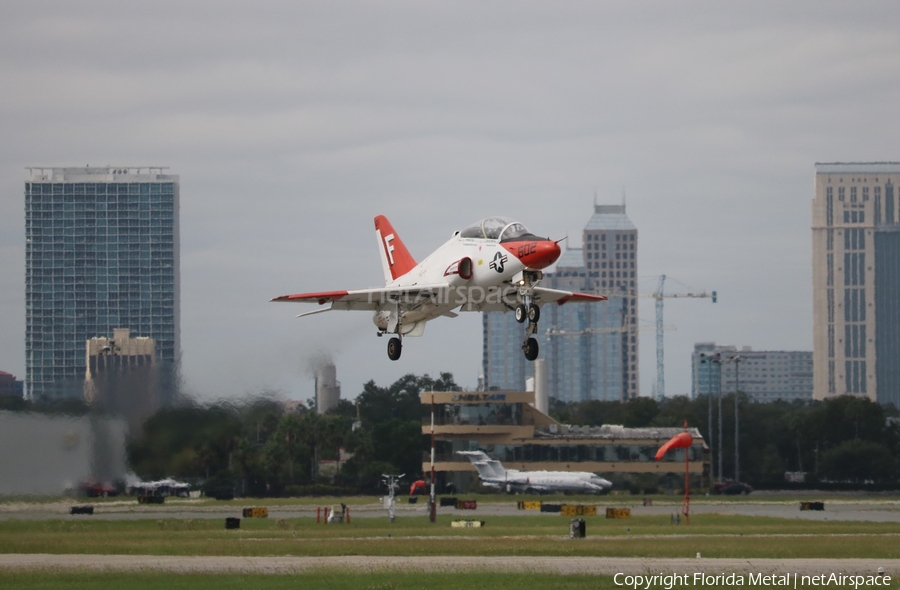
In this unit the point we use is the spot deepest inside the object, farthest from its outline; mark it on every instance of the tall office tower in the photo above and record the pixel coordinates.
(763, 375)
(856, 281)
(591, 349)
(101, 253)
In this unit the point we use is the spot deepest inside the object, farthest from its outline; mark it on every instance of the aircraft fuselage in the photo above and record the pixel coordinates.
(477, 272)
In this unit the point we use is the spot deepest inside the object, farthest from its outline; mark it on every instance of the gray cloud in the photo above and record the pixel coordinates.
(293, 124)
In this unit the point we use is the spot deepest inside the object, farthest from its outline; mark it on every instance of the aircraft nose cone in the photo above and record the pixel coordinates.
(535, 254)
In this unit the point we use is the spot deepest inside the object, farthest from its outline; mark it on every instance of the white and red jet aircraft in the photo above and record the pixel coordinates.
(492, 265)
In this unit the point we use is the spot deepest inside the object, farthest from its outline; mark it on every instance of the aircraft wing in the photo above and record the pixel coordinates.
(370, 299)
(560, 297)
(506, 298)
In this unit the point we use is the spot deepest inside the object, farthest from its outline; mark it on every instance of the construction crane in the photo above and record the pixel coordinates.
(659, 295)
(554, 331)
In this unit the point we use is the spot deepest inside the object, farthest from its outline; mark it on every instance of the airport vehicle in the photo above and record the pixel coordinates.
(494, 264)
(96, 489)
(730, 487)
(493, 475)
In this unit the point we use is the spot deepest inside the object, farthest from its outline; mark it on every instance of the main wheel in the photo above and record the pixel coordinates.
(531, 349)
(521, 313)
(394, 348)
(534, 313)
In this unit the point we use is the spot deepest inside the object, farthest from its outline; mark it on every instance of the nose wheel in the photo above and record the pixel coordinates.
(531, 349)
(394, 348)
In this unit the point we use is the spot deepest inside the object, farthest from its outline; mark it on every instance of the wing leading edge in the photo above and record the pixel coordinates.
(506, 298)
(560, 297)
(368, 299)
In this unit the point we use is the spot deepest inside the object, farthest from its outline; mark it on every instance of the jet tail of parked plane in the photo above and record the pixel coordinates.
(487, 468)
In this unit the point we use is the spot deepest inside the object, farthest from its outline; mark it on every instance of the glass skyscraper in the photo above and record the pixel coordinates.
(102, 252)
(590, 348)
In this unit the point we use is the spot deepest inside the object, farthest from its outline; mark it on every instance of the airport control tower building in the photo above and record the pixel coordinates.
(856, 281)
(101, 253)
(591, 349)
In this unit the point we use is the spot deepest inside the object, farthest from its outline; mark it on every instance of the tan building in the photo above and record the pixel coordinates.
(856, 281)
(121, 376)
(507, 427)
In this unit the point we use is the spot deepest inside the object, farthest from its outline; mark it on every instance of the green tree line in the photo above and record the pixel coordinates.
(260, 448)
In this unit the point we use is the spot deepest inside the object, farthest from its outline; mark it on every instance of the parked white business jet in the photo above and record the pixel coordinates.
(493, 475)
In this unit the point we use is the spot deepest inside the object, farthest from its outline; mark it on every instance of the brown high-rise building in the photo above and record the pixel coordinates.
(122, 376)
(856, 281)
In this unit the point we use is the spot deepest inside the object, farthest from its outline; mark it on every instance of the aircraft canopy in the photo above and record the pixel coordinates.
(495, 228)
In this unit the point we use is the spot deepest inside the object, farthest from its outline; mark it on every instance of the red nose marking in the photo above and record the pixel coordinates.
(536, 254)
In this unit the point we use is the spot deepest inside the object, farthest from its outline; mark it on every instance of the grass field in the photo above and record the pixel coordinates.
(712, 535)
(644, 536)
(330, 580)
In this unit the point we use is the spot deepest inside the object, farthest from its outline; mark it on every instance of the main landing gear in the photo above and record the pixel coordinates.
(532, 313)
(394, 348)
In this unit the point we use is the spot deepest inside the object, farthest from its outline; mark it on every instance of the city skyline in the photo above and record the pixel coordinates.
(293, 126)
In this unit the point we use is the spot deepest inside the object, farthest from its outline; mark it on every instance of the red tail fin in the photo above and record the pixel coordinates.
(396, 260)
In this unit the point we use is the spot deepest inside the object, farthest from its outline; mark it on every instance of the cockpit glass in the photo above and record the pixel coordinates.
(513, 231)
(489, 227)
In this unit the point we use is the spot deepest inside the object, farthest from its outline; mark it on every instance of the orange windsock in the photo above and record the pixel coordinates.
(682, 440)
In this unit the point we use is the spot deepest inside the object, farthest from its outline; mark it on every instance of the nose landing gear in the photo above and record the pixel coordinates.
(533, 313)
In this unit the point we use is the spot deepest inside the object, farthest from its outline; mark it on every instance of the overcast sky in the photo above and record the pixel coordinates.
(292, 124)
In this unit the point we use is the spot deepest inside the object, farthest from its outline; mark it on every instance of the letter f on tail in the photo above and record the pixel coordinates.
(396, 260)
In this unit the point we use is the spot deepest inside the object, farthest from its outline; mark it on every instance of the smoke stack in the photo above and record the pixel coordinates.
(328, 389)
